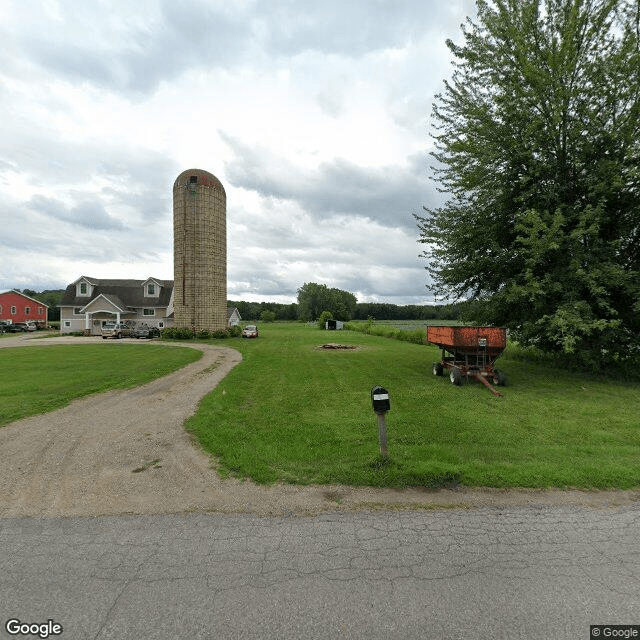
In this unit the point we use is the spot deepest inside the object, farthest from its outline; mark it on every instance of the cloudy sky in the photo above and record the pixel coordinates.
(314, 116)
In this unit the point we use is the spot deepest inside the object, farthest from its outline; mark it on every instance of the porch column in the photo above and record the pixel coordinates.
(118, 317)
(87, 321)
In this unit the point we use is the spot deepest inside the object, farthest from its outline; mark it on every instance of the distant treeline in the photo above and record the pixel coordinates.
(363, 310)
(254, 310)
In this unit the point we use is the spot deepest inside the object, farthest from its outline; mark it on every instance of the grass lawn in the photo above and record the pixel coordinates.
(43, 378)
(290, 412)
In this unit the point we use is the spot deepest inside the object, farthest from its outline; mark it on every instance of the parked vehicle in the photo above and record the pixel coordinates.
(250, 331)
(141, 332)
(3, 326)
(31, 325)
(116, 330)
(144, 331)
(20, 326)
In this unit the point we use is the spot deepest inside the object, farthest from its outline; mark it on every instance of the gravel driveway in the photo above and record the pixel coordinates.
(126, 452)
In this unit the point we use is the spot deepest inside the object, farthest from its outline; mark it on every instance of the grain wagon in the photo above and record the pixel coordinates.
(470, 352)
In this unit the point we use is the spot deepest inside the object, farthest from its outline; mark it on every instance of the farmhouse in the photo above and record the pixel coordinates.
(16, 307)
(88, 303)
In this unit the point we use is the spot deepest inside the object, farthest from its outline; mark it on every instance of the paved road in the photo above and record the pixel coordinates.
(531, 572)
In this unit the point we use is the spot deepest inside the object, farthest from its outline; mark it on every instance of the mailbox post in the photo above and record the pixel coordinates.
(381, 404)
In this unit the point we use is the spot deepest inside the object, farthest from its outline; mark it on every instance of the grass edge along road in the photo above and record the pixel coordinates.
(294, 413)
(42, 378)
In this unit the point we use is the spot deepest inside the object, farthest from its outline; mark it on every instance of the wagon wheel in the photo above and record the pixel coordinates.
(437, 368)
(500, 378)
(455, 376)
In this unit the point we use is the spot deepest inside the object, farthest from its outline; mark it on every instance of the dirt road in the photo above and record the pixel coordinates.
(126, 452)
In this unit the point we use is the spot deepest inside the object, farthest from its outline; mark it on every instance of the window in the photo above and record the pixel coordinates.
(67, 323)
(160, 325)
(84, 290)
(40, 310)
(148, 312)
(151, 289)
(27, 311)
(14, 310)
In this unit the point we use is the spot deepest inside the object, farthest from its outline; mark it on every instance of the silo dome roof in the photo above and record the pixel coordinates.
(201, 176)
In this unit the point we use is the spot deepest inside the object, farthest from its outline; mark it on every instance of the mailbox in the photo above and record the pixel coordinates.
(380, 399)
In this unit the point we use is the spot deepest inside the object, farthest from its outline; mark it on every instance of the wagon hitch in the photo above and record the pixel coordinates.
(486, 383)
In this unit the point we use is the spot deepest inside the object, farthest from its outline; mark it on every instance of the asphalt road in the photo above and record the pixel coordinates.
(534, 572)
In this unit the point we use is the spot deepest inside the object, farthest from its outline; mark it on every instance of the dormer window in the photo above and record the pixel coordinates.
(83, 289)
(151, 290)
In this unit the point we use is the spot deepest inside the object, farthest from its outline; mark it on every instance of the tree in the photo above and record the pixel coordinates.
(315, 298)
(268, 316)
(538, 149)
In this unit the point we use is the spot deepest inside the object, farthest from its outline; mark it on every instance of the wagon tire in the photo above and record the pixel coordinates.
(455, 376)
(437, 368)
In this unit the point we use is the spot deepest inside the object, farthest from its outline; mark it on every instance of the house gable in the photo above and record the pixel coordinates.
(151, 288)
(18, 307)
(84, 287)
(104, 304)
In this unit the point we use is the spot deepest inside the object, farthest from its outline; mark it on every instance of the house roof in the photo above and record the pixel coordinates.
(129, 293)
(42, 304)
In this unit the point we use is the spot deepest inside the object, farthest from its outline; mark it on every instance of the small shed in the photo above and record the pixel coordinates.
(333, 325)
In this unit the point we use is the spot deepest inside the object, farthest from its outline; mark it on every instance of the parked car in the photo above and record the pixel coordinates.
(31, 325)
(116, 330)
(250, 331)
(141, 332)
(20, 326)
(144, 331)
(4, 325)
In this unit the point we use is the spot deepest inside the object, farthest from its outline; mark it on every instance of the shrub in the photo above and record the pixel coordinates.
(235, 331)
(177, 333)
(268, 316)
(322, 320)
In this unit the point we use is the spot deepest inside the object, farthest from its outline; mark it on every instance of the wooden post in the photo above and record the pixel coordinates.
(382, 434)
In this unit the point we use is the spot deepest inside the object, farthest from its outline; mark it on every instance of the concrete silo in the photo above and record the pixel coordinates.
(199, 251)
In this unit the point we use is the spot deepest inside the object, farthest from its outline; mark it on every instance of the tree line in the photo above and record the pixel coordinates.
(313, 299)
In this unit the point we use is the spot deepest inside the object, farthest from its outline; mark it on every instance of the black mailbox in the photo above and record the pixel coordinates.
(380, 399)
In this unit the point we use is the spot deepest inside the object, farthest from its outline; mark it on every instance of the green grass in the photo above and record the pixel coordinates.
(292, 413)
(40, 379)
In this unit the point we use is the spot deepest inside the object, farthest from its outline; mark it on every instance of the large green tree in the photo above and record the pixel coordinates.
(537, 148)
(315, 298)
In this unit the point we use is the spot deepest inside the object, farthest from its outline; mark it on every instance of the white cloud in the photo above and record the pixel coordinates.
(313, 115)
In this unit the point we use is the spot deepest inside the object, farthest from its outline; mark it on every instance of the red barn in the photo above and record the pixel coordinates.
(17, 307)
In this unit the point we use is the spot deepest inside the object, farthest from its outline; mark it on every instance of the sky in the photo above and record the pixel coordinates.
(315, 116)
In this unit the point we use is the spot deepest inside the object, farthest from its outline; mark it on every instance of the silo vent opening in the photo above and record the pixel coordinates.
(193, 179)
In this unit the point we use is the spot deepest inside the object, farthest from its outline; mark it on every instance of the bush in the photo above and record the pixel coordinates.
(177, 333)
(268, 316)
(322, 320)
(416, 336)
(235, 331)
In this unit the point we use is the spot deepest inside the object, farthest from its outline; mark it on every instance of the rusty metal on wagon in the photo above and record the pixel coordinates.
(470, 352)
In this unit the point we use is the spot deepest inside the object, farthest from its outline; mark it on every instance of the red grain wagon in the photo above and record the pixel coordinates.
(471, 353)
